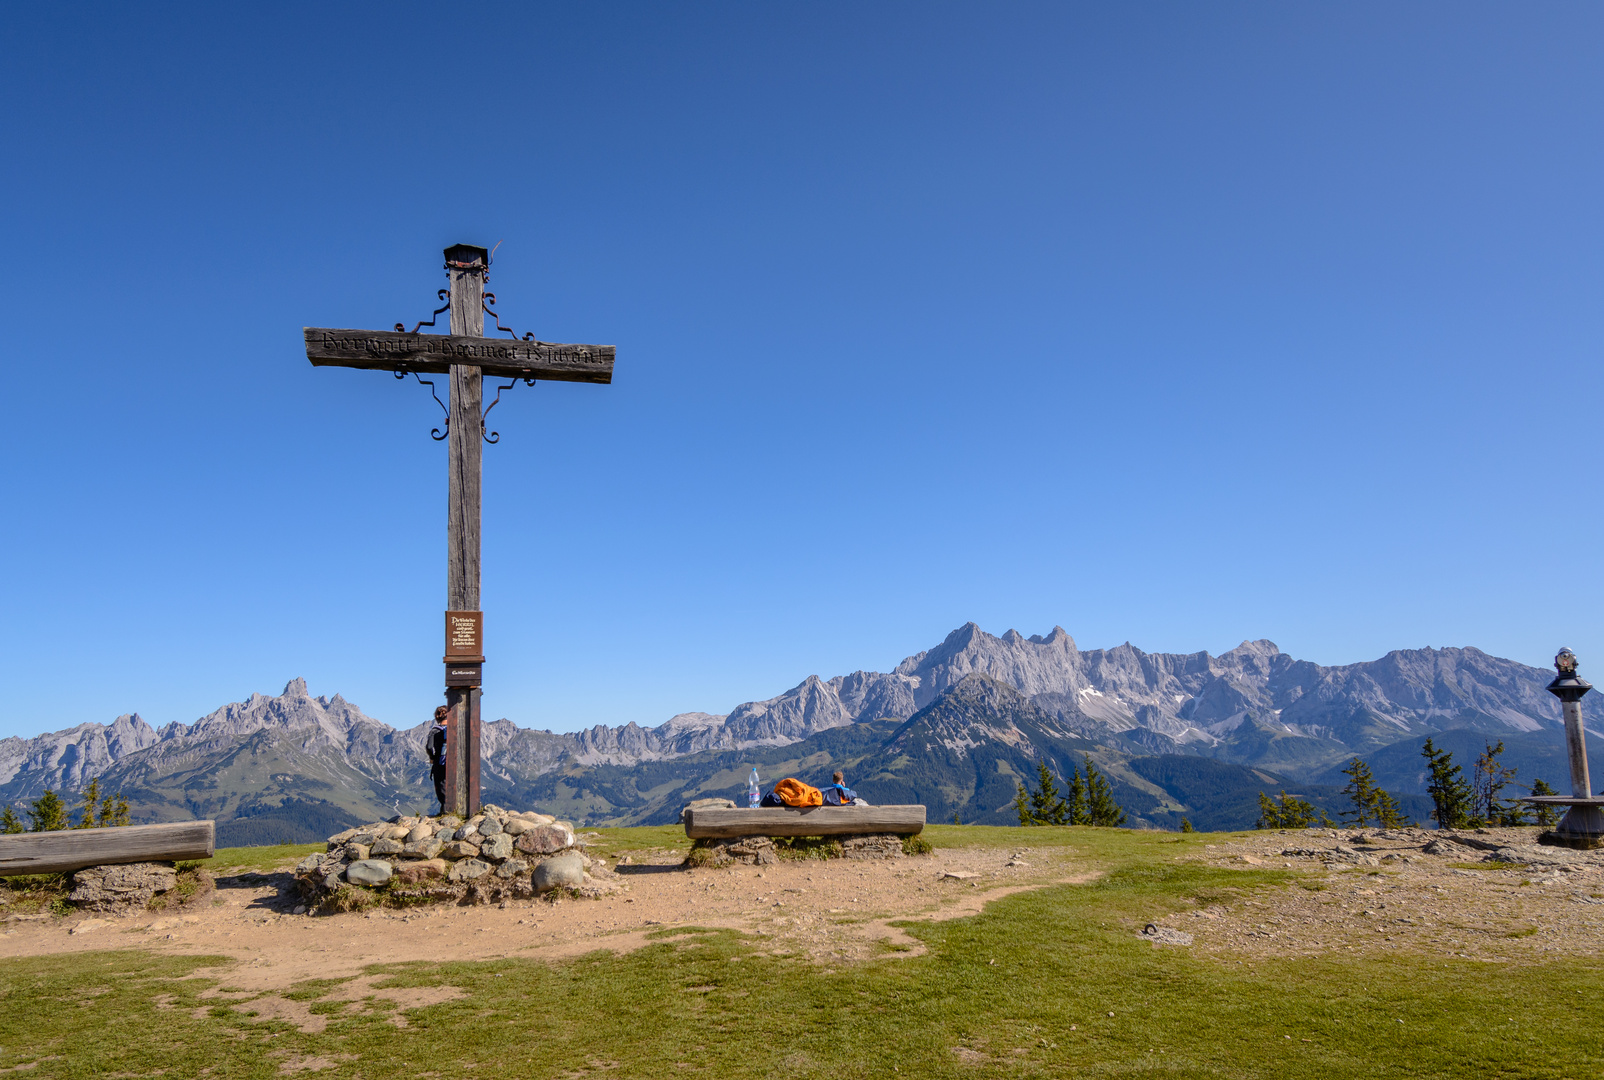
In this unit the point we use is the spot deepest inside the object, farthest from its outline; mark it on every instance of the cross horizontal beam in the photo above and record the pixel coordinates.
(505, 358)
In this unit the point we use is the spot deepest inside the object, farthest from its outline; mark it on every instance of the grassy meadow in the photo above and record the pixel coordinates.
(1050, 983)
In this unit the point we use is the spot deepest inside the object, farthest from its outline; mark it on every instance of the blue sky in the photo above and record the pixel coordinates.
(1170, 323)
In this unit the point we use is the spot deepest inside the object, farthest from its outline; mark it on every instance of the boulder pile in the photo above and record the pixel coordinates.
(495, 855)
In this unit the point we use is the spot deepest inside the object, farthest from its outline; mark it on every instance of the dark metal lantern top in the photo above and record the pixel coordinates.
(463, 256)
(1566, 685)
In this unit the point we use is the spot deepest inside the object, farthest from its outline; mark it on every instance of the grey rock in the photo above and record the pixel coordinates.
(422, 849)
(877, 846)
(545, 839)
(489, 826)
(354, 852)
(1164, 935)
(424, 831)
(512, 868)
(309, 864)
(496, 847)
(460, 849)
(449, 822)
(516, 826)
(1509, 855)
(387, 846)
(120, 887)
(467, 832)
(559, 871)
(416, 873)
(369, 872)
(750, 850)
(468, 869)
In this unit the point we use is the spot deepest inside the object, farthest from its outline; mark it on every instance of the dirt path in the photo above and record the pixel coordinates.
(835, 911)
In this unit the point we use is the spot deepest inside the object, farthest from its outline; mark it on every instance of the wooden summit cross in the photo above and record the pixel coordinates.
(468, 356)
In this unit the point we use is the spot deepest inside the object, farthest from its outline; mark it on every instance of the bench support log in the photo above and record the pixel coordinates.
(66, 850)
(717, 824)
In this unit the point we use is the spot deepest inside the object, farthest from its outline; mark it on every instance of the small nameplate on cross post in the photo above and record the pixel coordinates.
(465, 637)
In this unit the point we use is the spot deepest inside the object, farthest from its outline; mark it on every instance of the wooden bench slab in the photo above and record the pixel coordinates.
(65, 850)
(713, 823)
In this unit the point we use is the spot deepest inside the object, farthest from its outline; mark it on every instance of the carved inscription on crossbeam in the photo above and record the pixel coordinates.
(389, 351)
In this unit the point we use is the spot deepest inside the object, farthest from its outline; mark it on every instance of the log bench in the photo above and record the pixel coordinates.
(65, 850)
(714, 823)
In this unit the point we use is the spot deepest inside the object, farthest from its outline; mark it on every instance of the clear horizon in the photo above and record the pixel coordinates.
(1168, 324)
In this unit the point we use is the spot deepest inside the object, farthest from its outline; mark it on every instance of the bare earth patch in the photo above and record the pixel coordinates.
(1489, 895)
(832, 911)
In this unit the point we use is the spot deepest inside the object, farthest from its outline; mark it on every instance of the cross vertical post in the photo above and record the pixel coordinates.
(467, 266)
(467, 356)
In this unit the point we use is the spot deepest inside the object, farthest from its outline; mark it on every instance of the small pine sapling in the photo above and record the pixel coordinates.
(1489, 780)
(1289, 812)
(86, 817)
(1388, 814)
(47, 813)
(9, 822)
(1542, 813)
(1021, 807)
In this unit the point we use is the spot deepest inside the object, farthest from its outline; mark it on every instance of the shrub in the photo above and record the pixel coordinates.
(917, 845)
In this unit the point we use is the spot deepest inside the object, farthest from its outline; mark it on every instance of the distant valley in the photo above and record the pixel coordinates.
(954, 727)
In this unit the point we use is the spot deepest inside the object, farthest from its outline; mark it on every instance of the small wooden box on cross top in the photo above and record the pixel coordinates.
(467, 356)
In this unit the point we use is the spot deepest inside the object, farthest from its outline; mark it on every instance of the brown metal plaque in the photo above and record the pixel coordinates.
(464, 675)
(465, 636)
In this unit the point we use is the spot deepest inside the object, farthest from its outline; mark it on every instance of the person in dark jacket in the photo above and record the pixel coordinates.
(435, 743)
(836, 793)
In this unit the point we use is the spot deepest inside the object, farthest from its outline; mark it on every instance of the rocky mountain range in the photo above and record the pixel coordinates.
(953, 726)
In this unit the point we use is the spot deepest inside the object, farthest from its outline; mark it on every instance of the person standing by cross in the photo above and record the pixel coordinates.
(435, 745)
(467, 356)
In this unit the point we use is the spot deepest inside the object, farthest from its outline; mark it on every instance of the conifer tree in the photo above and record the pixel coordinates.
(1490, 778)
(1021, 807)
(1101, 809)
(1450, 795)
(1544, 815)
(1288, 812)
(86, 817)
(113, 810)
(47, 813)
(1046, 806)
(9, 822)
(1388, 813)
(1361, 791)
(1186, 825)
(1079, 812)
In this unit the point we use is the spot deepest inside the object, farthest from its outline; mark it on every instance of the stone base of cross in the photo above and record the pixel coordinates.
(466, 355)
